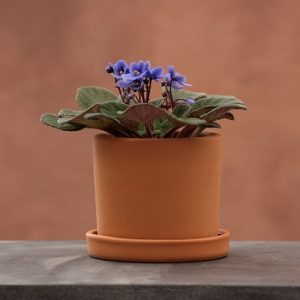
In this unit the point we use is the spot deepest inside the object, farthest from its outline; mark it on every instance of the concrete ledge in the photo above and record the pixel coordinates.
(62, 270)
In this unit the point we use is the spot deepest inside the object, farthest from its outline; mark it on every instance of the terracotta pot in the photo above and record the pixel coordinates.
(157, 199)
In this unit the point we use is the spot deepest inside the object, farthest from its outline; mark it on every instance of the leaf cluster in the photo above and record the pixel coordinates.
(102, 109)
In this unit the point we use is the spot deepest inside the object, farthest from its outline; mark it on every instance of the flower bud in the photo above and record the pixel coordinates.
(109, 69)
(190, 101)
(165, 94)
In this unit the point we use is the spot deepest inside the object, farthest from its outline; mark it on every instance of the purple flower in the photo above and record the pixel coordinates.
(127, 82)
(156, 73)
(175, 80)
(190, 101)
(138, 69)
(134, 79)
(137, 74)
(118, 69)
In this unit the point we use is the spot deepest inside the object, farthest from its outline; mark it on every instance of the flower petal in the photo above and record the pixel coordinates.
(171, 70)
(120, 67)
(176, 85)
(156, 73)
(133, 67)
(190, 101)
(124, 84)
(185, 84)
(148, 65)
(179, 78)
(141, 65)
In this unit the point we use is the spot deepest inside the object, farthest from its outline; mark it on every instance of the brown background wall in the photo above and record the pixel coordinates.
(247, 48)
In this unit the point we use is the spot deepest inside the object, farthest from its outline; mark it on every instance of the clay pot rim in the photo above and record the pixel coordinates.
(157, 251)
(107, 136)
(92, 235)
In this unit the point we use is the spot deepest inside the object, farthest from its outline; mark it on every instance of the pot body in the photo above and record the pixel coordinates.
(157, 188)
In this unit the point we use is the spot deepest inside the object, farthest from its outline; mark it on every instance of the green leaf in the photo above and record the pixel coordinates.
(90, 95)
(110, 108)
(212, 125)
(79, 119)
(218, 114)
(141, 130)
(103, 116)
(191, 121)
(181, 110)
(183, 94)
(68, 112)
(113, 108)
(109, 124)
(101, 120)
(187, 131)
(98, 116)
(157, 102)
(162, 125)
(227, 115)
(186, 125)
(205, 105)
(52, 120)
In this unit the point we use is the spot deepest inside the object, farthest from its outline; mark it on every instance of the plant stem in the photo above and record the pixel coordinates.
(197, 131)
(142, 93)
(137, 99)
(148, 130)
(186, 131)
(148, 89)
(119, 90)
(171, 96)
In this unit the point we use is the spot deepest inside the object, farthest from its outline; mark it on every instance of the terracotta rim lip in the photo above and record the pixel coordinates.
(206, 135)
(92, 234)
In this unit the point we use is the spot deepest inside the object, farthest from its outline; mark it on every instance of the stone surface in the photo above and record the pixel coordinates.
(248, 48)
(63, 270)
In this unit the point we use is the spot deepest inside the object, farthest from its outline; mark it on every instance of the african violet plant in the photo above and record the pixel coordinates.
(133, 113)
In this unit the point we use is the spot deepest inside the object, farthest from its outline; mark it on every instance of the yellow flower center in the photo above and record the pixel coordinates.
(136, 72)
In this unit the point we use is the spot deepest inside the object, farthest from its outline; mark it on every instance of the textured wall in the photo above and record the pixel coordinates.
(247, 48)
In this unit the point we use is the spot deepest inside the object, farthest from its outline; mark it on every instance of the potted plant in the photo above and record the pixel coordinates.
(157, 174)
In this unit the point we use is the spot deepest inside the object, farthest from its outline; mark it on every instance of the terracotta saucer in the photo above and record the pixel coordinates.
(143, 250)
